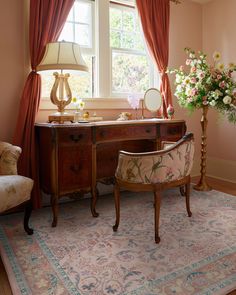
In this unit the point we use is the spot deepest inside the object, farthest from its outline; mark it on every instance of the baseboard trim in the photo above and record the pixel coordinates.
(221, 178)
(217, 168)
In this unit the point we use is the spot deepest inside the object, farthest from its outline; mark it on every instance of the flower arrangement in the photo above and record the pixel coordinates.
(78, 103)
(206, 85)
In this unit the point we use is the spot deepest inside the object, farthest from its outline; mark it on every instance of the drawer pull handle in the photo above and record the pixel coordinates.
(148, 130)
(75, 168)
(173, 131)
(103, 133)
(76, 137)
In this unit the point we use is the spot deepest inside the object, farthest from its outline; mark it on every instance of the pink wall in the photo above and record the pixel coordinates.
(219, 34)
(185, 31)
(12, 64)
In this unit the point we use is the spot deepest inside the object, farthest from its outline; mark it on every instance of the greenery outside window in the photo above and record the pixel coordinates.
(131, 69)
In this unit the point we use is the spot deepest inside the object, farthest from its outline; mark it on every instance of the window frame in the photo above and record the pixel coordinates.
(102, 52)
(125, 6)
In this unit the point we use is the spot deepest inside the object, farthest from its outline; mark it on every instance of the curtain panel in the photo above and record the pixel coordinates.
(155, 19)
(47, 19)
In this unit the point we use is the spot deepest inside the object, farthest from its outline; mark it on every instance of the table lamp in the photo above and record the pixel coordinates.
(62, 56)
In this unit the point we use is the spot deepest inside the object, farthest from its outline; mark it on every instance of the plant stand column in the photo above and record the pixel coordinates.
(202, 184)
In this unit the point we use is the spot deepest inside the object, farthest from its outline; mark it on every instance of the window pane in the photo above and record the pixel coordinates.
(128, 21)
(67, 33)
(130, 73)
(128, 41)
(115, 18)
(115, 39)
(70, 16)
(82, 35)
(139, 42)
(82, 12)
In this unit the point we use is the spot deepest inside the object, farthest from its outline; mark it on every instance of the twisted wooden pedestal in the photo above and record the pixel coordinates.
(202, 184)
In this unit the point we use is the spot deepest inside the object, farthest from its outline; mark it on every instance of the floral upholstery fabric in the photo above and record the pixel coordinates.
(14, 190)
(9, 155)
(169, 166)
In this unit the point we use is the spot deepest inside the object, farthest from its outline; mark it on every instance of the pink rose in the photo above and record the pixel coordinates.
(194, 92)
(188, 62)
(193, 69)
(189, 99)
(222, 84)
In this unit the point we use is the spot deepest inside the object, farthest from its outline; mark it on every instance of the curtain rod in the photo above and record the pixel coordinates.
(132, 6)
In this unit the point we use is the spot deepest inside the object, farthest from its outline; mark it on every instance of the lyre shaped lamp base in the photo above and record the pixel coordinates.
(61, 117)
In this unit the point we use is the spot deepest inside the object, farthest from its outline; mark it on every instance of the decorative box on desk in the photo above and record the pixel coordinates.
(74, 157)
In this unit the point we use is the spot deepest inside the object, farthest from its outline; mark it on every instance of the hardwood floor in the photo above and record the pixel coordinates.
(220, 185)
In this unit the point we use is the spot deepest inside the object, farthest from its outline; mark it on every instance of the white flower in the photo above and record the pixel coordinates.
(188, 91)
(220, 66)
(227, 99)
(187, 80)
(216, 56)
(212, 103)
(178, 78)
(232, 66)
(179, 88)
(218, 93)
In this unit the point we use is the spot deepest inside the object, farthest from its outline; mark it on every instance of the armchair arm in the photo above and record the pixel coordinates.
(9, 155)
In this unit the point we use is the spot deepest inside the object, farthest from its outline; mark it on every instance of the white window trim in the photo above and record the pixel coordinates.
(103, 97)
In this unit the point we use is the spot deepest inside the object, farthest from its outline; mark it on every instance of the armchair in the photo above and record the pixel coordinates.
(155, 171)
(14, 189)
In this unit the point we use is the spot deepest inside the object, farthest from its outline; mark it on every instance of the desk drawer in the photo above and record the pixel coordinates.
(74, 167)
(74, 135)
(112, 133)
(172, 132)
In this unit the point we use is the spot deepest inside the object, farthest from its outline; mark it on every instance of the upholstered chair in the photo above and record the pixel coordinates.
(14, 189)
(155, 171)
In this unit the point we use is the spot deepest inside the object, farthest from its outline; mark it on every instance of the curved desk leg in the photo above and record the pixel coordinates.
(54, 204)
(94, 193)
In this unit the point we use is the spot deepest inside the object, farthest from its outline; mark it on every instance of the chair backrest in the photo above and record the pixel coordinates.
(170, 164)
(9, 155)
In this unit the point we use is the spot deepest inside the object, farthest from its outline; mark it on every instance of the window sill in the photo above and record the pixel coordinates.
(91, 104)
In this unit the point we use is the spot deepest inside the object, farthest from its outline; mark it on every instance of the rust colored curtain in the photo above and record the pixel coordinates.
(155, 18)
(47, 19)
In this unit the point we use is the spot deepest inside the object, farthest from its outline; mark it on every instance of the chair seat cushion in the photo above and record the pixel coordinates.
(14, 190)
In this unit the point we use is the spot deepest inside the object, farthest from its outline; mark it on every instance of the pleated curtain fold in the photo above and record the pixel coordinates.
(47, 19)
(155, 19)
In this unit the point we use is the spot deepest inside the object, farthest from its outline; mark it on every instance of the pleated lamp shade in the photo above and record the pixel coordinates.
(62, 56)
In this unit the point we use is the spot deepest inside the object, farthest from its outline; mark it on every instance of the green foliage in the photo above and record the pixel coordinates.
(203, 84)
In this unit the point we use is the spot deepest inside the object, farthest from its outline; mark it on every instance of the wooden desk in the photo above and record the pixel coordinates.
(73, 157)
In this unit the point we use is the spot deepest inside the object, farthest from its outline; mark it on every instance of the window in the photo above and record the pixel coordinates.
(113, 48)
(80, 19)
(130, 64)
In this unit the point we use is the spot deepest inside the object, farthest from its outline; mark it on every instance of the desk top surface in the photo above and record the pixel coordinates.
(109, 123)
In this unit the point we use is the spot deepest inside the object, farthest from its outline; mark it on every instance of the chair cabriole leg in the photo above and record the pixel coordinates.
(28, 211)
(187, 196)
(117, 205)
(157, 198)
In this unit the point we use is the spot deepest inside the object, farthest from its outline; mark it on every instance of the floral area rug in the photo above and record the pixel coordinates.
(82, 255)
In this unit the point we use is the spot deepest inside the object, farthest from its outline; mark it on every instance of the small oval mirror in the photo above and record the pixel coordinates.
(152, 99)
